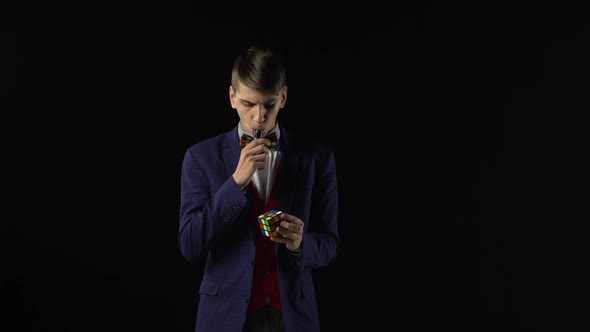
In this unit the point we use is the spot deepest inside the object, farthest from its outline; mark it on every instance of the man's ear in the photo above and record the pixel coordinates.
(232, 96)
(284, 99)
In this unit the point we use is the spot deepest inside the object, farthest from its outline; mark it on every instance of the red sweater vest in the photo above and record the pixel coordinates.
(265, 285)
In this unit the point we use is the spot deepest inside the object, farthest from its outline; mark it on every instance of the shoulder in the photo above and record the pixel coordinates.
(207, 143)
(308, 145)
(210, 146)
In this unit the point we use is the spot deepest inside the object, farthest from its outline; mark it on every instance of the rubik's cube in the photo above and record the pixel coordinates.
(269, 222)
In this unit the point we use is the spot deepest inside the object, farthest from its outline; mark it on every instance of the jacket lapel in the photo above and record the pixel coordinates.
(287, 174)
(231, 150)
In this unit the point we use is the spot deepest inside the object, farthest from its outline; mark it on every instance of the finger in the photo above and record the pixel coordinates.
(291, 226)
(258, 150)
(262, 150)
(261, 142)
(256, 146)
(256, 157)
(286, 234)
(291, 218)
(279, 240)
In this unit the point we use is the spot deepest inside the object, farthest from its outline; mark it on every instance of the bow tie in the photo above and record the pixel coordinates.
(272, 137)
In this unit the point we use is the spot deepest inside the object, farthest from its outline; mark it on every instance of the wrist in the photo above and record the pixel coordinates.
(240, 184)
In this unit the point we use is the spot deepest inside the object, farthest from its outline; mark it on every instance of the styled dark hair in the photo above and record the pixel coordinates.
(260, 68)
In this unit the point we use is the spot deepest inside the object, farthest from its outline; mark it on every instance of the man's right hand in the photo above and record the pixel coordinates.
(252, 158)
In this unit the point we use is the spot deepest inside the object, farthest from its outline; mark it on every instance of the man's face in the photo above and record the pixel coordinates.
(256, 110)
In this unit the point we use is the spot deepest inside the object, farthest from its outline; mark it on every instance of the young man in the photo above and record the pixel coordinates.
(252, 281)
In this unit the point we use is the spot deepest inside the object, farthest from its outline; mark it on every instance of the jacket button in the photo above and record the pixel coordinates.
(268, 299)
(245, 300)
(251, 262)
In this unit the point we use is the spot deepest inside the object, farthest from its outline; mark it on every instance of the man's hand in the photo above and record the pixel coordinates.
(252, 158)
(291, 231)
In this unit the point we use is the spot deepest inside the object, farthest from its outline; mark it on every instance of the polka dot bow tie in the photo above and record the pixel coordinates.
(272, 137)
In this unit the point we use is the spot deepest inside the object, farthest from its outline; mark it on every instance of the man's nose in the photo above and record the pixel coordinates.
(260, 112)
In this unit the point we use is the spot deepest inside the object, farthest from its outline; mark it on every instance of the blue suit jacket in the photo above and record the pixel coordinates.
(217, 224)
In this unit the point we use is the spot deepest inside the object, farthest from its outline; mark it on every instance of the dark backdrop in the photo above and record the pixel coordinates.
(458, 129)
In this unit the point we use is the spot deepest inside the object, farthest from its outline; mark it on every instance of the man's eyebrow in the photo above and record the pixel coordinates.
(273, 100)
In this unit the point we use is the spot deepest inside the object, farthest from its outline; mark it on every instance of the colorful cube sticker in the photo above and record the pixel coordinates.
(269, 222)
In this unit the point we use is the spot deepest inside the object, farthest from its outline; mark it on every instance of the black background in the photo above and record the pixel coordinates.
(458, 129)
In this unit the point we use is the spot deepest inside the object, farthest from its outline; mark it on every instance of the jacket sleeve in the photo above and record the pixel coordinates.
(205, 214)
(320, 245)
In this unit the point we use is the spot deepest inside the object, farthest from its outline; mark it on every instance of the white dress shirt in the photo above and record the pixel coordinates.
(263, 179)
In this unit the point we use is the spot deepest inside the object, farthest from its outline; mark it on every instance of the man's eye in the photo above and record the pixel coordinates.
(270, 105)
